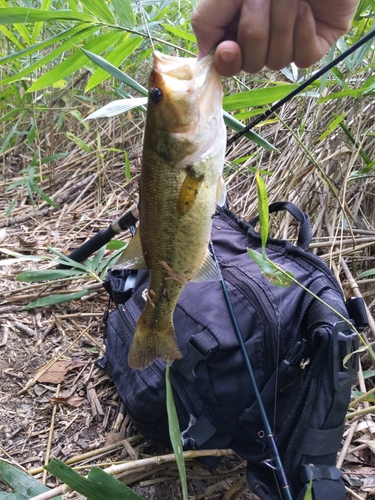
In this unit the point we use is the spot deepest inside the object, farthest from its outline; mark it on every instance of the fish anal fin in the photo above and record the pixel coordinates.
(150, 343)
(189, 190)
(221, 192)
(132, 256)
(208, 270)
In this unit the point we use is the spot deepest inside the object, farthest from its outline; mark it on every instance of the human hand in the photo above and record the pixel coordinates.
(252, 34)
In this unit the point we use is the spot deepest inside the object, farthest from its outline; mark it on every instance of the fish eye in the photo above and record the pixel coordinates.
(156, 95)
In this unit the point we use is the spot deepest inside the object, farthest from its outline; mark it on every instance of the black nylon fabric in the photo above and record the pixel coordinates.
(288, 338)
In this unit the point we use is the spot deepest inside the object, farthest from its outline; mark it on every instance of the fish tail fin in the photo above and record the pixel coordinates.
(150, 344)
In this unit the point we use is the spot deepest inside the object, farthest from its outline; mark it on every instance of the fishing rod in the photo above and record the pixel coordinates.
(279, 469)
(301, 87)
(104, 236)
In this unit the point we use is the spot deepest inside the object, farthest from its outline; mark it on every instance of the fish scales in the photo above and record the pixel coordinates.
(180, 186)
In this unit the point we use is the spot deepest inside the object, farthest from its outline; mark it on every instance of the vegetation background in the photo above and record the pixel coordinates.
(64, 178)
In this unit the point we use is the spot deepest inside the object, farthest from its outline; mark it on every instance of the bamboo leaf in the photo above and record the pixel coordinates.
(125, 13)
(362, 153)
(332, 125)
(111, 260)
(58, 298)
(116, 57)
(85, 147)
(111, 487)
(73, 5)
(46, 4)
(365, 274)
(115, 72)
(115, 245)
(237, 126)
(257, 97)
(21, 28)
(12, 206)
(73, 479)
(66, 261)
(12, 15)
(73, 36)
(9, 137)
(24, 485)
(180, 33)
(308, 494)
(270, 270)
(127, 168)
(11, 496)
(175, 434)
(11, 36)
(95, 261)
(75, 61)
(46, 275)
(100, 10)
(42, 194)
(340, 95)
(263, 211)
(18, 257)
(96, 486)
(117, 107)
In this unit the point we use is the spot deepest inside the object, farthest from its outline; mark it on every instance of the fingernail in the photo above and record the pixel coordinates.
(227, 56)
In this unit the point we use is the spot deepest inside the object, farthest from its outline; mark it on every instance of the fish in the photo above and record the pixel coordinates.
(181, 184)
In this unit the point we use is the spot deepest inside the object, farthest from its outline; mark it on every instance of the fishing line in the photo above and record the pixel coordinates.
(144, 20)
(299, 89)
(279, 469)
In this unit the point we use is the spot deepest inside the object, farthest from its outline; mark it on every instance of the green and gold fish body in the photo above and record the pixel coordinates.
(181, 184)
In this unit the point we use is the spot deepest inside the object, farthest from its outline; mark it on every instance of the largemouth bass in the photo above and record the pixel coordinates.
(181, 183)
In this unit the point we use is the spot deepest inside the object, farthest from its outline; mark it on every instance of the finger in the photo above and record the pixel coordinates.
(228, 58)
(280, 47)
(309, 47)
(210, 21)
(253, 33)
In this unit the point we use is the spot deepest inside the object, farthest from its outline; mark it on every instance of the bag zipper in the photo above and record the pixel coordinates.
(258, 298)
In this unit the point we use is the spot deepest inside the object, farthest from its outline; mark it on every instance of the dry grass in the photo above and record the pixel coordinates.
(90, 189)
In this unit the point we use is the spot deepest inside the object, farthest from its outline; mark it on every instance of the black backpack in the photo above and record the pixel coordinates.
(295, 343)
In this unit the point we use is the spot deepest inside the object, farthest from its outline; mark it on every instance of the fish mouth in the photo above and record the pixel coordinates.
(189, 111)
(184, 74)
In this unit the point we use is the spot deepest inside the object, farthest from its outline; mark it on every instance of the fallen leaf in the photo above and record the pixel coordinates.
(114, 437)
(72, 400)
(57, 372)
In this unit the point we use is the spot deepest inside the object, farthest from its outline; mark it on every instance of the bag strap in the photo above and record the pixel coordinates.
(305, 232)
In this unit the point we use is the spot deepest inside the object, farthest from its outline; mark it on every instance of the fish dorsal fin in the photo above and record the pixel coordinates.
(208, 271)
(221, 192)
(132, 257)
(189, 190)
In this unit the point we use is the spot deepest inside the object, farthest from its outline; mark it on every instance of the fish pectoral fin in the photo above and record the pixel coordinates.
(221, 192)
(208, 270)
(132, 256)
(189, 190)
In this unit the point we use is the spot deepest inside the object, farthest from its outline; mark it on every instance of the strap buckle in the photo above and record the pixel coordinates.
(199, 348)
(312, 472)
(357, 312)
(345, 342)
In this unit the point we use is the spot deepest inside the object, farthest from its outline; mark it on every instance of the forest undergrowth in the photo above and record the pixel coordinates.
(64, 178)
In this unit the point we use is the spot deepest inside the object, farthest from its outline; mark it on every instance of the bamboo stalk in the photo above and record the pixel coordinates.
(135, 464)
